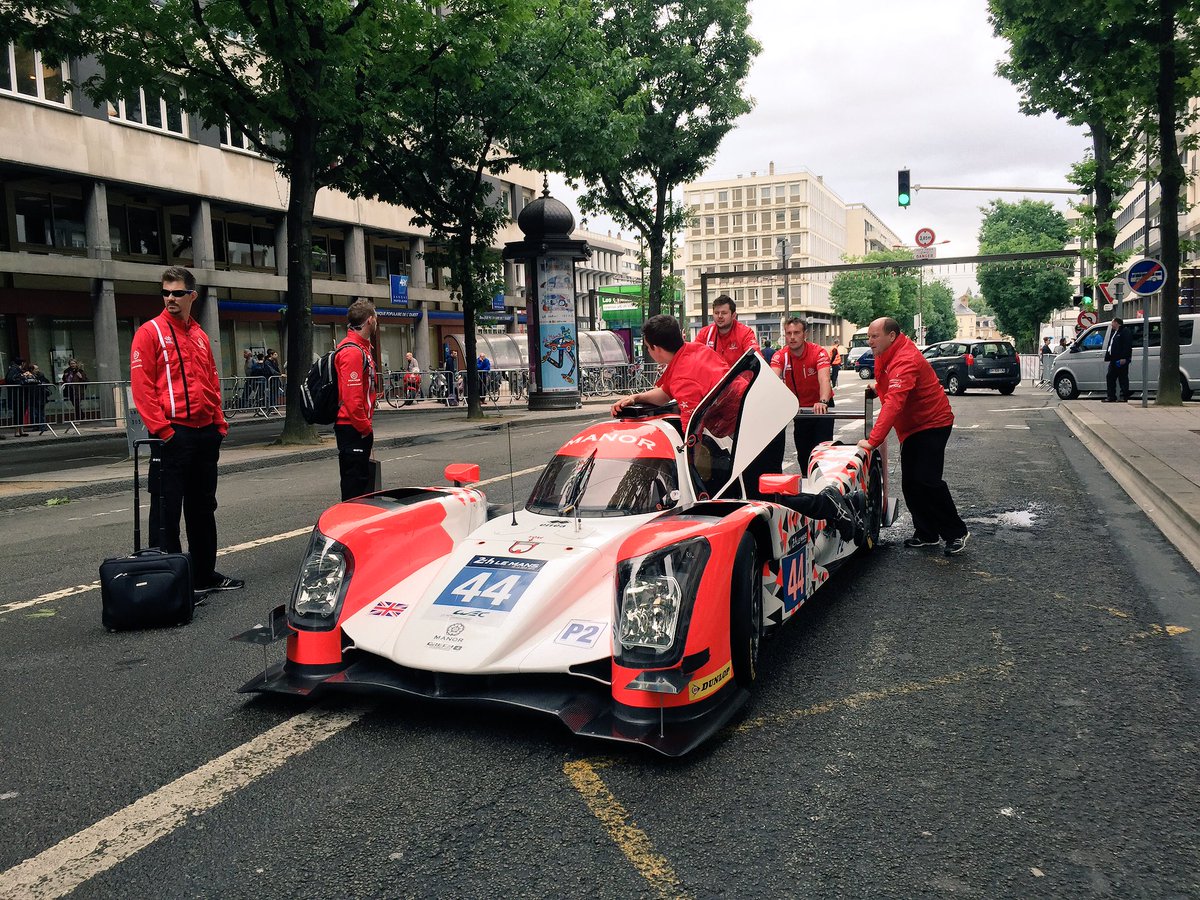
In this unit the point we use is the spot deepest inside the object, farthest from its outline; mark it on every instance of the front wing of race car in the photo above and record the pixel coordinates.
(583, 702)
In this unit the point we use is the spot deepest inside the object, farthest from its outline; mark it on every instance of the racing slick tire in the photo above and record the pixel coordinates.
(746, 612)
(955, 384)
(1065, 387)
(873, 518)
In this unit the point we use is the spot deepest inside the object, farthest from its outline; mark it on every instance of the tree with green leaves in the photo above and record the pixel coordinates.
(691, 60)
(1075, 60)
(518, 79)
(1023, 294)
(868, 294)
(299, 77)
(937, 301)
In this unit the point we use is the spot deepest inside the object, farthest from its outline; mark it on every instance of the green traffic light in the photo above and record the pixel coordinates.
(904, 199)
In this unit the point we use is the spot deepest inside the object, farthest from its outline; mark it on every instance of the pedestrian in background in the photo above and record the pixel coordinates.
(37, 392)
(726, 335)
(177, 392)
(356, 399)
(483, 366)
(914, 403)
(767, 350)
(1118, 356)
(73, 379)
(804, 368)
(14, 377)
(835, 363)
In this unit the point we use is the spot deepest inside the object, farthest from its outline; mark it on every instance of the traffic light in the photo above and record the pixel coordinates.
(1084, 300)
(903, 189)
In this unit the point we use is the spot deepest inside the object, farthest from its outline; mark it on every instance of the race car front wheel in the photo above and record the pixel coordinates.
(874, 515)
(745, 612)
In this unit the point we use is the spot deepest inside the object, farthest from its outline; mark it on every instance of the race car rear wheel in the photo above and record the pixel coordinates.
(745, 612)
(874, 514)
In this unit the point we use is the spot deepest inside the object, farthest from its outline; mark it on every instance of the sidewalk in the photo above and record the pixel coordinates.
(1154, 454)
(393, 428)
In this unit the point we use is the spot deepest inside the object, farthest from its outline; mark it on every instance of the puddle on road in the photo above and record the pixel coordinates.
(1015, 518)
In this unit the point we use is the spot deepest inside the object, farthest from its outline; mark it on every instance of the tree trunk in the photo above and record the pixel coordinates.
(1170, 180)
(466, 285)
(301, 201)
(654, 240)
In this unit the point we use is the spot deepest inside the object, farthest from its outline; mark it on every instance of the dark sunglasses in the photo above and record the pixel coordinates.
(167, 293)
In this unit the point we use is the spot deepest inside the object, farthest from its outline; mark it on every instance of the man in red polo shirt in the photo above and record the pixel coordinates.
(726, 335)
(914, 403)
(691, 369)
(804, 368)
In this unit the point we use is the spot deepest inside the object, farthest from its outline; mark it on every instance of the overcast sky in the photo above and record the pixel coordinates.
(854, 91)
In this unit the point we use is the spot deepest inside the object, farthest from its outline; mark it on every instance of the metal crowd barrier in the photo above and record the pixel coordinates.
(257, 396)
(61, 407)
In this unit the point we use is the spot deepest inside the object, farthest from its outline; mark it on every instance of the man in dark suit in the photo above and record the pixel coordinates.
(1118, 356)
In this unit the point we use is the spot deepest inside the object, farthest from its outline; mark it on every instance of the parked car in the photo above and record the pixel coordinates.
(973, 364)
(1081, 368)
(865, 365)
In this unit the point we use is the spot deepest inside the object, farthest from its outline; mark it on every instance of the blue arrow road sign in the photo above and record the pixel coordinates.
(1146, 276)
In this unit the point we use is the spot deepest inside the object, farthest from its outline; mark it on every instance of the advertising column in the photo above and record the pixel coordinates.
(557, 349)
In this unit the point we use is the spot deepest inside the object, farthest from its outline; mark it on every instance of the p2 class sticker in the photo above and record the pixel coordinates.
(493, 583)
(794, 571)
(581, 633)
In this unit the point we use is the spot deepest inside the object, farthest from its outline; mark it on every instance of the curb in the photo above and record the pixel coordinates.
(1153, 486)
(327, 451)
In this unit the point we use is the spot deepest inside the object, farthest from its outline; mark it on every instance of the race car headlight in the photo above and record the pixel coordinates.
(321, 584)
(655, 594)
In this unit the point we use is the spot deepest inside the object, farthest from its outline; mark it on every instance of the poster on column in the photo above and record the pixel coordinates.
(557, 350)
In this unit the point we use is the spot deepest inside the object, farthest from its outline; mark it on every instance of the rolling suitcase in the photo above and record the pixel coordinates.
(149, 589)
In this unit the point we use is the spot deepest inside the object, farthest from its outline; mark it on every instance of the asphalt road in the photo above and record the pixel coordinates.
(1015, 722)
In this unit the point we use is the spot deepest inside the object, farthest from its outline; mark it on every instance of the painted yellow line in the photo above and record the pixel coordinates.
(630, 839)
(863, 697)
(95, 585)
(69, 863)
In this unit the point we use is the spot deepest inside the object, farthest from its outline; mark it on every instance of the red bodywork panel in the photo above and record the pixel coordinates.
(621, 440)
(710, 614)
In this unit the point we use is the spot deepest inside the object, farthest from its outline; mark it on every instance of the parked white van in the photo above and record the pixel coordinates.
(1082, 368)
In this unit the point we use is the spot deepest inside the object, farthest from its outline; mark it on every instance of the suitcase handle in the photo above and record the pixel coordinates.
(137, 497)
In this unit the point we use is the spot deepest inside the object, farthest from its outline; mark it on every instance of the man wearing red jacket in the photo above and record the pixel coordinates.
(356, 399)
(177, 392)
(914, 403)
(726, 335)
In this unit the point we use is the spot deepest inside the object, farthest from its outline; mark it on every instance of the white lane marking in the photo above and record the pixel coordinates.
(109, 512)
(95, 585)
(505, 477)
(1022, 408)
(1026, 427)
(409, 456)
(69, 863)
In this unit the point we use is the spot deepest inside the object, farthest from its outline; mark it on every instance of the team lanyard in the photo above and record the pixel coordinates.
(787, 367)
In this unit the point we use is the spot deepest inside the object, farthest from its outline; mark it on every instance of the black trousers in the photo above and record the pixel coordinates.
(1117, 374)
(922, 459)
(807, 432)
(183, 480)
(354, 461)
(833, 374)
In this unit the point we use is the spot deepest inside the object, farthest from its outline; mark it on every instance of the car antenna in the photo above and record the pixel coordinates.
(512, 490)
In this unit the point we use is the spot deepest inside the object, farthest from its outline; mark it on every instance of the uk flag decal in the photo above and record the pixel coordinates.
(388, 609)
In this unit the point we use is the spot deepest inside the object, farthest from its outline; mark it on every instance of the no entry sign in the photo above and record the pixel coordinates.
(925, 237)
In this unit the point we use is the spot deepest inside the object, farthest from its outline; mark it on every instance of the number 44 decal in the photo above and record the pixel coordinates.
(795, 571)
(489, 583)
(499, 593)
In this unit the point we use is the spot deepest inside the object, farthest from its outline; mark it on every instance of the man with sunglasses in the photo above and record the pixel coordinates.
(177, 392)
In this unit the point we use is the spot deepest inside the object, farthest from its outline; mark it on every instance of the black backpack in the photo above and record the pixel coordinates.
(319, 401)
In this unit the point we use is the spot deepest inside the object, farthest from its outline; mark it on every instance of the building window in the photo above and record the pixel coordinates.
(752, 245)
(751, 220)
(135, 231)
(722, 197)
(780, 218)
(709, 223)
(149, 111)
(390, 259)
(765, 194)
(49, 220)
(234, 137)
(779, 192)
(737, 220)
(795, 191)
(26, 73)
(181, 239)
(737, 246)
(253, 246)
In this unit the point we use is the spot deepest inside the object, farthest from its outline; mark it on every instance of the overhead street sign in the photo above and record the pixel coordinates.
(925, 237)
(1146, 276)
(925, 253)
(1086, 318)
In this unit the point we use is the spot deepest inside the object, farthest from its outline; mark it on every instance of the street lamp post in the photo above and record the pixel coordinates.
(784, 246)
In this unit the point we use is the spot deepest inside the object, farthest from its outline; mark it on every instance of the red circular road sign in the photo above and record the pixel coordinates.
(1086, 318)
(925, 237)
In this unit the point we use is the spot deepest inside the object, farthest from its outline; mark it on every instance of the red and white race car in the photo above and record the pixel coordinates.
(628, 597)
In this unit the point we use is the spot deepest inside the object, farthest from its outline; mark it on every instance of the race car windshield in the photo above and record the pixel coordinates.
(613, 487)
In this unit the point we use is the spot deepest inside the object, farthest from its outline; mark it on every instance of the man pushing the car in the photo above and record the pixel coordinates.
(914, 403)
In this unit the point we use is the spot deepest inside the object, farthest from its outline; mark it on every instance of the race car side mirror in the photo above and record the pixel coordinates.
(459, 474)
(788, 485)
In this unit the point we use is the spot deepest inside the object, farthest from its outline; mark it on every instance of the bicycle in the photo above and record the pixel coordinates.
(597, 383)
(403, 389)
